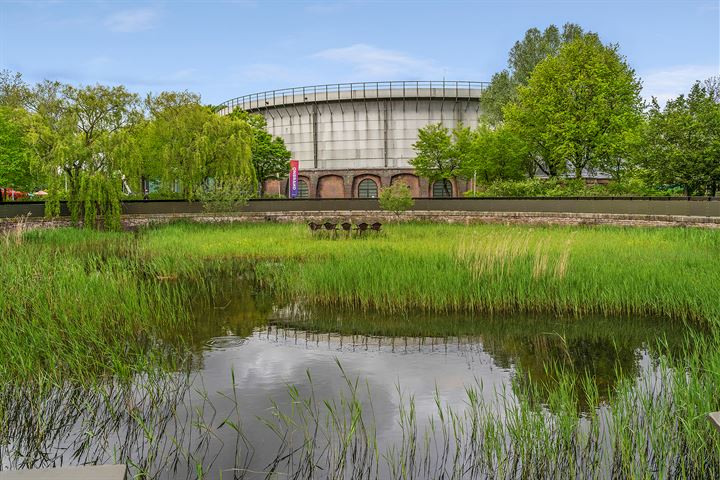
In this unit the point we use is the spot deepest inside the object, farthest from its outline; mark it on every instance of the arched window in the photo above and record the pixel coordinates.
(303, 191)
(442, 189)
(367, 189)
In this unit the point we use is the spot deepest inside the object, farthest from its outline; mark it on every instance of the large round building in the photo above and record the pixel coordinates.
(351, 139)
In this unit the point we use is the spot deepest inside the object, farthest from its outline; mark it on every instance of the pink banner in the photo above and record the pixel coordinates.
(294, 170)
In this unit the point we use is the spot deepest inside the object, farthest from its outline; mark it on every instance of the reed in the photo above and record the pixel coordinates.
(167, 427)
(579, 271)
(77, 301)
(84, 304)
(97, 332)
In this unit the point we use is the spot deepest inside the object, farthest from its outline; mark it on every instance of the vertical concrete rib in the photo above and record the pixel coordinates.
(385, 132)
(315, 134)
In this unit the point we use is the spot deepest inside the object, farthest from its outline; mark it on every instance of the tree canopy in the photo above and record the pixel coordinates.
(183, 143)
(89, 144)
(439, 152)
(682, 141)
(523, 57)
(578, 108)
(270, 157)
(485, 154)
(17, 157)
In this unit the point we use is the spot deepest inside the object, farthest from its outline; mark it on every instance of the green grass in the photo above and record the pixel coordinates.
(77, 301)
(80, 304)
(669, 273)
(87, 307)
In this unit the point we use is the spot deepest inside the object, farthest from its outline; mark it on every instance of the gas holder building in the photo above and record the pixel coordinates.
(351, 139)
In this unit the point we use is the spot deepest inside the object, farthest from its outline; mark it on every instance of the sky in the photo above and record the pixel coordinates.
(225, 49)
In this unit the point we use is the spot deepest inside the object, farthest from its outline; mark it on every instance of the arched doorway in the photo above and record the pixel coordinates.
(367, 189)
(303, 190)
(442, 189)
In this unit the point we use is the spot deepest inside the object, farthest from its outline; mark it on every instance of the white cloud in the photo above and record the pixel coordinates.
(376, 63)
(135, 20)
(670, 82)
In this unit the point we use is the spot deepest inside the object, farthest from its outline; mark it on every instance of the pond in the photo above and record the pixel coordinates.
(272, 389)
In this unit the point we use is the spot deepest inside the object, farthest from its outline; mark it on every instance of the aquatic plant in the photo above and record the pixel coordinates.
(97, 344)
(668, 273)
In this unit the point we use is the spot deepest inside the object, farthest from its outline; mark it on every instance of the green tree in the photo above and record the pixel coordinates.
(682, 141)
(270, 157)
(82, 133)
(17, 157)
(578, 108)
(440, 153)
(496, 154)
(522, 59)
(14, 91)
(396, 198)
(186, 143)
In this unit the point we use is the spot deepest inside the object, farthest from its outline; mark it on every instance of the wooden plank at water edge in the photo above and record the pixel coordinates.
(101, 472)
(714, 418)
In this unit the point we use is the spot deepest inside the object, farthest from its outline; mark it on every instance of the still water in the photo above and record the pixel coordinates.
(274, 390)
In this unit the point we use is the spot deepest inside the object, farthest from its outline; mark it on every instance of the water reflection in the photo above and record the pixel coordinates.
(243, 406)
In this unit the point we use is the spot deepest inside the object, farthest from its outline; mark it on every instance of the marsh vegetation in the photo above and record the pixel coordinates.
(431, 351)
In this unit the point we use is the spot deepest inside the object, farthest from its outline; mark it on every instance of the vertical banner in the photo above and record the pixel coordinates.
(293, 183)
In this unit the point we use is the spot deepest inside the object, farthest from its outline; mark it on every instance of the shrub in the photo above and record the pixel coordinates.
(227, 195)
(396, 198)
(570, 187)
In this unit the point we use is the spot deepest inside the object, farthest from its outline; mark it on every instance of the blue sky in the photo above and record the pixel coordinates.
(223, 49)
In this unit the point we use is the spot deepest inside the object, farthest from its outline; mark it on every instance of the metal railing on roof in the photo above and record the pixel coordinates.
(356, 91)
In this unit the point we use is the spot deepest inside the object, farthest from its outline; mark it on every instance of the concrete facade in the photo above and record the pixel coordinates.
(344, 133)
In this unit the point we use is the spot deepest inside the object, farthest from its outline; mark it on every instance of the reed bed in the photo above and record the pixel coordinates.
(79, 302)
(85, 304)
(97, 332)
(611, 271)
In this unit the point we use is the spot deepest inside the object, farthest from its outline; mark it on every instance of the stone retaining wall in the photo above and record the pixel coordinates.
(133, 222)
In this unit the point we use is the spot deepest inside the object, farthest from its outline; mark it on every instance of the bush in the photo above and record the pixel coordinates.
(570, 187)
(396, 198)
(227, 195)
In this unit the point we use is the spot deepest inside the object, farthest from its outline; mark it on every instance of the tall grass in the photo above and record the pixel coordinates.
(116, 308)
(669, 273)
(76, 302)
(81, 304)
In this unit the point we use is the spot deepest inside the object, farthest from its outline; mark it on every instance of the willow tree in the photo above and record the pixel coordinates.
(270, 156)
(185, 143)
(17, 157)
(80, 136)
